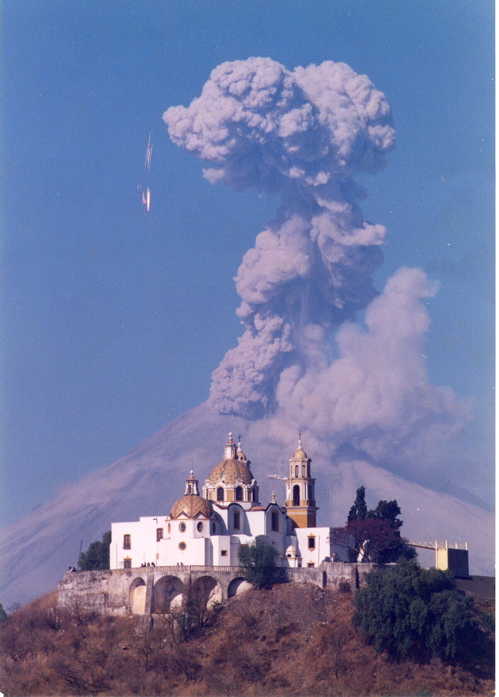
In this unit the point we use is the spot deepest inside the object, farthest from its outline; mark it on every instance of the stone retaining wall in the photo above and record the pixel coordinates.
(111, 592)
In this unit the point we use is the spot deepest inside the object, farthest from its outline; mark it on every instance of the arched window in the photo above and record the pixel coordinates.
(303, 470)
(297, 471)
(296, 495)
(275, 521)
(237, 520)
(220, 494)
(239, 493)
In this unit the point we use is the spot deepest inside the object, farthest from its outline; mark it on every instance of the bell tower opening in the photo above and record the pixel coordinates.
(296, 495)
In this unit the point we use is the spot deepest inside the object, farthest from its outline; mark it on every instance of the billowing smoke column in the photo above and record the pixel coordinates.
(304, 134)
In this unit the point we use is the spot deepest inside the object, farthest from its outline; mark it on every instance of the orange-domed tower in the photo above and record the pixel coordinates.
(232, 480)
(191, 504)
(300, 490)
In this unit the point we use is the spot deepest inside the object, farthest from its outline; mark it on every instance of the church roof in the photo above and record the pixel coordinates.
(192, 506)
(231, 471)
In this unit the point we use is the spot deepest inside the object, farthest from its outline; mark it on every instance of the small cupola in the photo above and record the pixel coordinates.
(230, 449)
(191, 485)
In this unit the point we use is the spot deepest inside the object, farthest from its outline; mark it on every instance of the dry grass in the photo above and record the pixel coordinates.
(294, 639)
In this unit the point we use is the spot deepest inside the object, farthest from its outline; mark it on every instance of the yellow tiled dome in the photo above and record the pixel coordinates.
(231, 471)
(192, 506)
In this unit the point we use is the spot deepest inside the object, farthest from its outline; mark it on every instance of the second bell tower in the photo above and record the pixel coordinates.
(300, 491)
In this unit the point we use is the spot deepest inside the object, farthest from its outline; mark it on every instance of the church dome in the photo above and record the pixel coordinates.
(300, 454)
(231, 471)
(192, 505)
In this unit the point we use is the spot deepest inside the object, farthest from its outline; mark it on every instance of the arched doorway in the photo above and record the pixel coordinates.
(138, 596)
(238, 586)
(168, 593)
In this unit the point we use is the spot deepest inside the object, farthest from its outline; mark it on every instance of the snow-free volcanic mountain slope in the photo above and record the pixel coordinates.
(38, 548)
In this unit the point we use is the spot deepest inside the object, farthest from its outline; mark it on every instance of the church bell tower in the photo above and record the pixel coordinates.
(300, 491)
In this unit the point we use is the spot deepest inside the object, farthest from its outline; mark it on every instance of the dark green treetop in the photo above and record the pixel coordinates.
(97, 555)
(359, 508)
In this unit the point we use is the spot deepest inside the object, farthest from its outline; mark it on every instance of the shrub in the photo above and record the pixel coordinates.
(259, 561)
(409, 612)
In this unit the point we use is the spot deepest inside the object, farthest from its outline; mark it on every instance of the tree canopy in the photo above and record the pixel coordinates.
(3, 614)
(373, 535)
(415, 613)
(259, 561)
(97, 555)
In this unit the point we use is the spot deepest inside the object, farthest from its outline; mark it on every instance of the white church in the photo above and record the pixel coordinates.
(208, 529)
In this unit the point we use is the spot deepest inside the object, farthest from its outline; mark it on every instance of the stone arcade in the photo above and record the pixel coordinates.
(155, 560)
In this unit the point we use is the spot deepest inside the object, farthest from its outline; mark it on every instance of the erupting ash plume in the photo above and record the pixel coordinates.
(305, 134)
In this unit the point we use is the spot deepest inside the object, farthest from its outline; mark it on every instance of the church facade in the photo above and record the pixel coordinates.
(208, 528)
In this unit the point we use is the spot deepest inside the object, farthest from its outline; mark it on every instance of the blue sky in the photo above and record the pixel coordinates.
(114, 320)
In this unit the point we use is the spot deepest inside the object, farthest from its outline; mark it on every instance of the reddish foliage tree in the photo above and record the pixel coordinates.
(368, 538)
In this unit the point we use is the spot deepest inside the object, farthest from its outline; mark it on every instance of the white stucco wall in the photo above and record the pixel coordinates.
(193, 542)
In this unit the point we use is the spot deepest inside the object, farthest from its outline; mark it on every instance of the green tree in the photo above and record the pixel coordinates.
(97, 555)
(409, 612)
(359, 508)
(259, 561)
(389, 511)
(3, 614)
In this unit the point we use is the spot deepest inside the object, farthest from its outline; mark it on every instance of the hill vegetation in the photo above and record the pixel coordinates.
(291, 639)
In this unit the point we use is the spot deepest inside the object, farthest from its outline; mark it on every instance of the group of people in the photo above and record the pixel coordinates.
(144, 565)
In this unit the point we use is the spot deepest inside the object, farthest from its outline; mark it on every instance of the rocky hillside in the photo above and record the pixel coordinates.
(293, 639)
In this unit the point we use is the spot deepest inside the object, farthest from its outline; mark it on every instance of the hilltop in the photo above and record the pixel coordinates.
(38, 548)
(294, 639)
